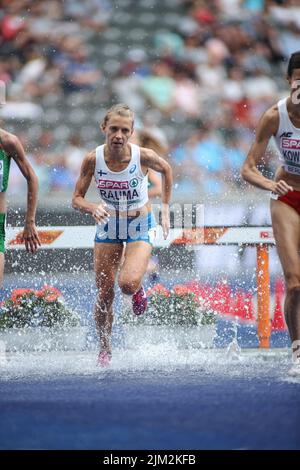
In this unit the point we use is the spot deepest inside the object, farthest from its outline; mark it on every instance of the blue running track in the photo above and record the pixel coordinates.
(152, 400)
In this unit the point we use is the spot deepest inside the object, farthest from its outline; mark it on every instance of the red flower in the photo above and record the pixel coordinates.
(181, 289)
(158, 289)
(18, 293)
(40, 293)
(49, 293)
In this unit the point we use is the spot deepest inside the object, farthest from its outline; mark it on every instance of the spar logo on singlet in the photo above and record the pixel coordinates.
(109, 184)
(133, 183)
(293, 144)
(118, 190)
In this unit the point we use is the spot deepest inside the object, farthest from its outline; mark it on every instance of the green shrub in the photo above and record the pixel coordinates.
(30, 308)
(178, 306)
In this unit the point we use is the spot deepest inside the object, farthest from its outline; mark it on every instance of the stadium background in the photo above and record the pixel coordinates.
(198, 75)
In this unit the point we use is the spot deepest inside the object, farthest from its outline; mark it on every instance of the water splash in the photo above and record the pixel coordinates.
(233, 351)
(162, 359)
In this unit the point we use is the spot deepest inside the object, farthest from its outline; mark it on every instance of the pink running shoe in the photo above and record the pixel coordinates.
(139, 301)
(104, 359)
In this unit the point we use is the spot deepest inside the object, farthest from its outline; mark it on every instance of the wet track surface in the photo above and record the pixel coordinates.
(154, 399)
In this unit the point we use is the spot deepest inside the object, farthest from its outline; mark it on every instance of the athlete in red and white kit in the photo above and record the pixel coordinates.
(123, 216)
(283, 122)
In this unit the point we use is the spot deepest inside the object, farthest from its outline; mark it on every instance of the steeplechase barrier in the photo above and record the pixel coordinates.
(77, 237)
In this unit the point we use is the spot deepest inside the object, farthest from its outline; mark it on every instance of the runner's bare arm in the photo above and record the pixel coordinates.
(15, 150)
(156, 186)
(266, 128)
(83, 183)
(150, 159)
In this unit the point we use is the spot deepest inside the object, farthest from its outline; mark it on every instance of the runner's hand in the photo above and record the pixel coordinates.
(30, 237)
(100, 214)
(281, 188)
(165, 220)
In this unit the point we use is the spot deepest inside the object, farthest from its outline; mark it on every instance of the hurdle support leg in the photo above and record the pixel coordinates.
(263, 296)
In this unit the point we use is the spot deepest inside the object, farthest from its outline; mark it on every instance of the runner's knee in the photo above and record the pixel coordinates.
(292, 280)
(294, 291)
(129, 286)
